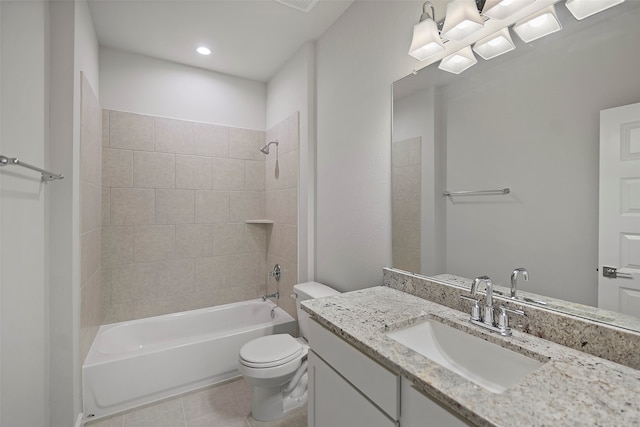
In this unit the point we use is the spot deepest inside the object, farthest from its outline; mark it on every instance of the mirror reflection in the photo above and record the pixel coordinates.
(528, 121)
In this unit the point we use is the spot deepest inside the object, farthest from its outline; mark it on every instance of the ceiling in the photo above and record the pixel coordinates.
(249, 38)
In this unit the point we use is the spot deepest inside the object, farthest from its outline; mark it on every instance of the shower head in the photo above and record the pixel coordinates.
(265, 149)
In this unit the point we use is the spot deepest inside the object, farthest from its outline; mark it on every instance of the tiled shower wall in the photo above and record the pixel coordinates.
(406, 173)
(90, 216)
(281, 204)
(175, 201)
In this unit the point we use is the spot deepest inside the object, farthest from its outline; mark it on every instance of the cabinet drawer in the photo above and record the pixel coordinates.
(379, 384)
(334, 402)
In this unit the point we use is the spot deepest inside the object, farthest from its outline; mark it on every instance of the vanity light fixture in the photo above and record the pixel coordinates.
(433, 39)
(203, 50)
(462, 19)
(459, 61)
(538, 25)
(500, 9)
(584, 8)
(494, 45)
(426, 40)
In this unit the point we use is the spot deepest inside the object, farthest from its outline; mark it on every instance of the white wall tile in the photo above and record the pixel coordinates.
(90, 313)
(154, 243)
(154, 170)
(246, 205)
(114, 313)
(106, 206)
(105, 128)
(211, 206)
(245, 144)
(130, 131)
(175, 206)
(281, 206)
(117, 168)
(90, 206)
(117, 245)
(254, 175)
(172, 136)
(175, 277)
(210, 273)
(91, 254)
(90, 157)
(211, 140)
(228, 174)
(194, 172)
(132, 282)
(172, 304)
(132, 206)
(282, 173)
(194, 240)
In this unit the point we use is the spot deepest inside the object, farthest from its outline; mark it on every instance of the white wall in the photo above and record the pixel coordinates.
(139, 84)
(291, 89)
(23, 276)
(358, 58)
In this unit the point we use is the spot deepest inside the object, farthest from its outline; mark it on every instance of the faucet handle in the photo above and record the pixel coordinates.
(475, 309)
(503, 319)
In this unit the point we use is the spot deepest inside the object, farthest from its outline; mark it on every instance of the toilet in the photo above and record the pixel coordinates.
(276, 365)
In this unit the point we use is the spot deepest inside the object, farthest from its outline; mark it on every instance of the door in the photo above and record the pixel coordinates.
(619, 231)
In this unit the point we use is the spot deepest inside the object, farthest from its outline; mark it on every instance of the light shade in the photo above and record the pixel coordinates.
(584, 8)
(461, 20)
(459, 61)
(494, 45)
(500, 9)
(426, 40)
(538, 25)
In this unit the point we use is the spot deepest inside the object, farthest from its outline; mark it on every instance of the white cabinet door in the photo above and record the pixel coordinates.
(417, 410)
(334, 402)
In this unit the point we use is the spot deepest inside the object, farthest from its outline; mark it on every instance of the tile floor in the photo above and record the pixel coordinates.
(226, 405)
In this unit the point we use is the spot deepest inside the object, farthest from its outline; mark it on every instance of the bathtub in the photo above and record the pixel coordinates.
(133, 363)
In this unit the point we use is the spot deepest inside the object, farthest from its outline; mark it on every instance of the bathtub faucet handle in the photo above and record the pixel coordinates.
(276, 272)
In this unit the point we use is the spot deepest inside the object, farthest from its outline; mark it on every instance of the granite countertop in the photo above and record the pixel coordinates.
(571, 388)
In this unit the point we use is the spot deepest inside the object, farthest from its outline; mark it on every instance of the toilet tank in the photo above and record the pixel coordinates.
(305, 291)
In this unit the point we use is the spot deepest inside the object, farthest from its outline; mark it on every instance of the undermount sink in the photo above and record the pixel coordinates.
(486, 364)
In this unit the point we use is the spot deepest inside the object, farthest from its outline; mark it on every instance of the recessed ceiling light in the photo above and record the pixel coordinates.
(202, 50)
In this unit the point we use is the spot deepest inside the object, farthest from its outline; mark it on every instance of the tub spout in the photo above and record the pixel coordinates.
(274, 295)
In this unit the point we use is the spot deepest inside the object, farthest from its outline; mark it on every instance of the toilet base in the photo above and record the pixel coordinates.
(269, 403)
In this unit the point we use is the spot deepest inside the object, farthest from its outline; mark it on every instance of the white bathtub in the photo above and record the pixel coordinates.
(137, 362)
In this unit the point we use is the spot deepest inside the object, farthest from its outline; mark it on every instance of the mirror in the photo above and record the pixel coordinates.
(528, 121)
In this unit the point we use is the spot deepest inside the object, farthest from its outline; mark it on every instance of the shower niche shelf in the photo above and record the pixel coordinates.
(259, 221)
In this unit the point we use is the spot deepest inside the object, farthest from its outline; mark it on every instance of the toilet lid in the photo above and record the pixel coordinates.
(270, 351)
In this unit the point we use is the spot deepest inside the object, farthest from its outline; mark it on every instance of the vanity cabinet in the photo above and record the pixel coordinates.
(348, 388)
(420, 411)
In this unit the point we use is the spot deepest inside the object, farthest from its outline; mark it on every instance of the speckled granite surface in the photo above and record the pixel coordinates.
(572, 388)
(599, 339)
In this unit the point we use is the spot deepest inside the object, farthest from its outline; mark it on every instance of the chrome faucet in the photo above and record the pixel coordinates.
(488, 304)
(514, 280)
(488, 320)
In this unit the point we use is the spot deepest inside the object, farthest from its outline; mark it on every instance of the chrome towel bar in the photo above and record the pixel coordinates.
(476, 192)
(46, 175)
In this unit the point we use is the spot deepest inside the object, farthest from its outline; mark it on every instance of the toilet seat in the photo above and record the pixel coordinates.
(270, 351)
